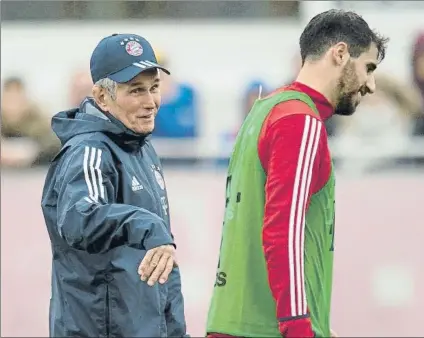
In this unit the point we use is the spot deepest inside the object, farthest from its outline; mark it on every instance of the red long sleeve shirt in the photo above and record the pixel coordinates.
(287, 132)
(285, 135)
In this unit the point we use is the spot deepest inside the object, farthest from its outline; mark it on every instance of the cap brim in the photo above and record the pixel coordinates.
(128, 73)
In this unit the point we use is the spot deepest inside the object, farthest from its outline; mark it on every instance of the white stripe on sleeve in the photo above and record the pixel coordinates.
(308, 184)
(99, 174)
(307, 154)
(91, 167)
(86, 174)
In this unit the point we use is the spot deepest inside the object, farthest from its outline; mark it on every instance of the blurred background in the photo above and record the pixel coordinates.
(220, 54)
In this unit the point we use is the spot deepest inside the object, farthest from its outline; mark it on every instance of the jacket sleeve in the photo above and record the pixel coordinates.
(89, 218)
(174, 311)
(290, 162)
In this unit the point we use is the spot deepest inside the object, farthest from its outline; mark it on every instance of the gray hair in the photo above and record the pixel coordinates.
(109, 85)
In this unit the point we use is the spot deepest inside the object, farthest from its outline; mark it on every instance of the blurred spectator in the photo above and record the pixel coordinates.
(418, 75)
(252, 92)
(80, 87)
(178, 113)
(381, 128)
(26, 136)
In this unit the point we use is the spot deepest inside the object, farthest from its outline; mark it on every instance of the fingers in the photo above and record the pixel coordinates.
(168, 268)
(147, 271)
(145, 262)
(157, 264)
(159, 269)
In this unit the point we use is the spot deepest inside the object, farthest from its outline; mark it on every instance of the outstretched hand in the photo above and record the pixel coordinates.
(157, 264)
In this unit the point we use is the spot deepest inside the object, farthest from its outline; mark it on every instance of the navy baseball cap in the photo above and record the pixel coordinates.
(121, 57)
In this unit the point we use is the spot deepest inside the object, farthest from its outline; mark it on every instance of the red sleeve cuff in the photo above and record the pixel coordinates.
(296, 328)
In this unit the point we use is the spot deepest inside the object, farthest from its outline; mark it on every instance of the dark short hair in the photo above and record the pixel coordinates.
(13, 81)
(331, 27)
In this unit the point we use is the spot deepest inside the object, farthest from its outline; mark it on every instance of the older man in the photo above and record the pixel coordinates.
(106, 207)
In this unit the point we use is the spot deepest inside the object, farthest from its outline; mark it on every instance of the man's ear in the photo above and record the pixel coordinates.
(99, 95)
(340, 54)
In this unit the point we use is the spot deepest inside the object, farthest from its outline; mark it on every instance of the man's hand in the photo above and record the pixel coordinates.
(157, 264)
(333, 334)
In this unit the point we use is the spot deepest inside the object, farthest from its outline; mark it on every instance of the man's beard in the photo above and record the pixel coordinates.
(346, 104)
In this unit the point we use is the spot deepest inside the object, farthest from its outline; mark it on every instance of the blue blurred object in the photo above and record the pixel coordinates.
(253, 90)
(177, 117)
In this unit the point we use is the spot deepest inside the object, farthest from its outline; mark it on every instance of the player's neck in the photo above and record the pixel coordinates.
(317, 79)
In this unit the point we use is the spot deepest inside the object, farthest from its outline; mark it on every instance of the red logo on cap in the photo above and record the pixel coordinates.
(134, 48)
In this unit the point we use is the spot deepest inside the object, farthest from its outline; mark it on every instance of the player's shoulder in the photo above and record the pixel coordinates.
(291, 109)
(83, 146)
(92, 140)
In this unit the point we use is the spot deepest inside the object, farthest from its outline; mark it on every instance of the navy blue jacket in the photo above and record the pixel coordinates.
(105, 204)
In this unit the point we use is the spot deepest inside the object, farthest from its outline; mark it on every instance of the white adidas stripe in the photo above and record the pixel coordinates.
(135, 181)
(139, 65)
(92, 161)
(307, 154)
(99, 174)
(150, 63)
(145, 64)
(308, 184)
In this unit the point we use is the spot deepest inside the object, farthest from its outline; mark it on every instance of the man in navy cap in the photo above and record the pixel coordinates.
(106, 207)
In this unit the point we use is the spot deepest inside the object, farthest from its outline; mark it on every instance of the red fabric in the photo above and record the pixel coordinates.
(294, 153)
(324, 107)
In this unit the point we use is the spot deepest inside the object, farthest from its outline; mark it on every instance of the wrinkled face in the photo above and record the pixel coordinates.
(137, 102)
(356, 80)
